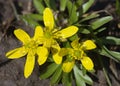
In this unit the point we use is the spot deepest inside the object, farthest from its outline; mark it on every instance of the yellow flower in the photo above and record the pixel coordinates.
(50, 34)
(30, 47)
(77, 53)
(44, 39)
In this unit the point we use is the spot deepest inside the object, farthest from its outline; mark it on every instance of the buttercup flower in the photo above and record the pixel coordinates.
(50, 34)
(77, 53)
(44, 39)
(30, 47)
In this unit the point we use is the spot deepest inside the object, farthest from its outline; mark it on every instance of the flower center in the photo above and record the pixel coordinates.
(78, 54)
(32, 45)
(47, 35)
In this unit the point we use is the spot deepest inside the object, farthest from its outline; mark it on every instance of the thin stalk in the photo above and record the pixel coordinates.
(105, 72)
(14, 10)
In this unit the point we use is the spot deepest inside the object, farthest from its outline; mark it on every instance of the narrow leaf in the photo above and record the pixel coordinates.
(72, 12)
(99, 22)
(89, 16)
(117, 7)
(99, 30)
(63, 4)
(85, 77)
(36, 17)
(29, 21)
(79, 2)
(39, 5)
(51, 4)
(87, 5)
(67, 79)
(47, 2)
(111, 40)
(78, 79)
(56, 76)
(49, 71)
(84, 30)
(111, 54)
(73, 37)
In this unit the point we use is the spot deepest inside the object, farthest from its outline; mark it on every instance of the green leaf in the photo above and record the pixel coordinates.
(88, 17)
(100, 30)
(51, 4)
(47, 2)
(73, 37)
(56, 76)
(118, 7)
(111, 54)
(78, 79)
(79, 3)
(84, 31)
(111, 40)
(67, 44)
(67, 79)
(99, 22)
(36, 17)
(29, 21)
(72, 12)
(87, 5)
(39, 6)
(63, 4)
(84, 77)
(49, 71)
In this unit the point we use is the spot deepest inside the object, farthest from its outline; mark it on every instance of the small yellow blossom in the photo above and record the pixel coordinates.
(77, 53)
(43, 40)
(30, 47)
(49, 34)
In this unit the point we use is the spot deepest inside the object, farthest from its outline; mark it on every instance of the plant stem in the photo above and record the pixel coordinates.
(105, 72)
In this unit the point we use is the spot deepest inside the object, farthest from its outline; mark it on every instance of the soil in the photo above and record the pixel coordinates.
(11, 71)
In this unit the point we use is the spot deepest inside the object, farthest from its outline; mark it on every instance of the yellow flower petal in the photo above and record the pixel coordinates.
(67, 32)
(16, 53)
(67, 66)
(48, 18)
(88, 45)
(75, 44)
(22, 36)
(56, 57)
(87, 63)
(42, 55)
(38, 32)
(29, 65)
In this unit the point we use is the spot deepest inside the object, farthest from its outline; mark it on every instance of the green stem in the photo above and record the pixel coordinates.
(105, 72)
(14, 10)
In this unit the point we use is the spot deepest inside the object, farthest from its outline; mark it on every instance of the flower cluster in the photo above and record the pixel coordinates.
(45, 42)
(77, 53)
